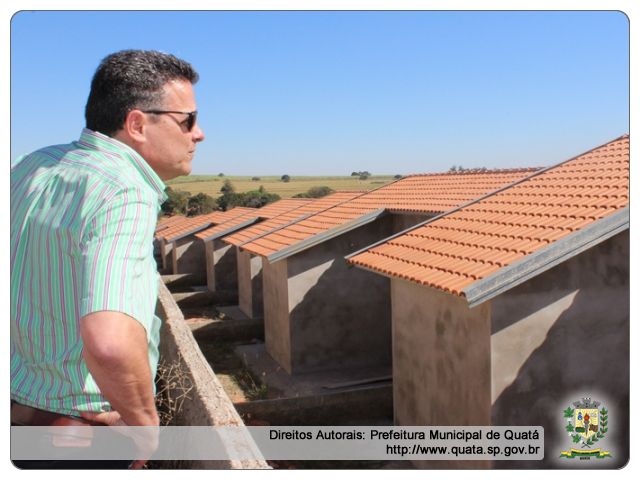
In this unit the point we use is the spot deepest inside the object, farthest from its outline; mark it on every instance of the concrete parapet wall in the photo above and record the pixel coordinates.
(208, 403)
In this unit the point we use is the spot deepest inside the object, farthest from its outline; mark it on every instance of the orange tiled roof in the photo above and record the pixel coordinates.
(456, 250)
(268, 211)
(193, 224)
(165, 222)
(311, 207)
(427, 193)
(221, 228)
(281, 206)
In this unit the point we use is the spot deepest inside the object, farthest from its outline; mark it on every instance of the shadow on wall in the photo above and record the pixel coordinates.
(586, 353)
(226, 267)
(340, 316)
(257, 302)
(190, 259)
(343, 321)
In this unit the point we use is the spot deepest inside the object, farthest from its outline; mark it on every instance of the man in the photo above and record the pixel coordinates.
(84, 337)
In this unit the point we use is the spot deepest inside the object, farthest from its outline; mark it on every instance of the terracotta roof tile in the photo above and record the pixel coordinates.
(223, 227)
(427, 194)
(238, 215)
(468, 244)
(310, 207)
(282, 206)
(194, 224)
(166, 222)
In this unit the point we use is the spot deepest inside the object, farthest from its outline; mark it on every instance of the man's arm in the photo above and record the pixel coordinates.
(115, 350)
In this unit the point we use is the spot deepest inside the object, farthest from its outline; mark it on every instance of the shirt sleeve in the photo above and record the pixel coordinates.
(118, 269)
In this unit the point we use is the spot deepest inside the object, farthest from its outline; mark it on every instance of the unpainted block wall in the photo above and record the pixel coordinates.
(188, 257)
(340, 317)
(166, 257)
(521, 358)
(561, 336)
(221, 266)
(277, 333)
(250, 284)
(441, 361)
(321, 314)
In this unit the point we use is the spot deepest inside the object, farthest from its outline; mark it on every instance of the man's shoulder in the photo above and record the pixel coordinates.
(85, 171)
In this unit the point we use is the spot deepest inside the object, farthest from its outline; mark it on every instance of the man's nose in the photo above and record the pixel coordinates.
(197, 133)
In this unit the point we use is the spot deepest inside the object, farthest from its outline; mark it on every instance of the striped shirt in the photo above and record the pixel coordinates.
(82, 223)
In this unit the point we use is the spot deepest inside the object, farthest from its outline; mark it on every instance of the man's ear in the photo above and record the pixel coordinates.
(135, 124)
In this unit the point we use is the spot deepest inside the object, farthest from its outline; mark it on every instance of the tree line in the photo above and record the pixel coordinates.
(183, 203)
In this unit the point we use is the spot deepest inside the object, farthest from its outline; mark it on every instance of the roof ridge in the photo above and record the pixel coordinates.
(476, 171)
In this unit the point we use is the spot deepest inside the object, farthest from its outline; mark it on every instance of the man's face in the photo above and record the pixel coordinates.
(170, 144)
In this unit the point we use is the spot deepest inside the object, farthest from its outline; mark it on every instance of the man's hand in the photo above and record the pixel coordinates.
(146, 439)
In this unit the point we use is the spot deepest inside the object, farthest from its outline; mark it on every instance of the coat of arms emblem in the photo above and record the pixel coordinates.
(587, 424)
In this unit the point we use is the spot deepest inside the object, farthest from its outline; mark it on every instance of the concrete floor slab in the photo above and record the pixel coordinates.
(262, 365)
(233, 311)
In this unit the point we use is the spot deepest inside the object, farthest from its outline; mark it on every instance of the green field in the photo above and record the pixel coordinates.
(210, 184)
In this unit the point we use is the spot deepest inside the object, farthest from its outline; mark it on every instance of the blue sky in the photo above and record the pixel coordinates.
(327, 93)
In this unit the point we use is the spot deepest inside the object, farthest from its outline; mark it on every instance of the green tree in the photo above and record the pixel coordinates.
(285, 178)
(315, 192)
(362, 174)
(201, 203)
(227, 187)
(176, 203)
(254, 199)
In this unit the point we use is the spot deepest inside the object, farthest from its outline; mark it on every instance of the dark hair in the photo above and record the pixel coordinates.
(131, 79)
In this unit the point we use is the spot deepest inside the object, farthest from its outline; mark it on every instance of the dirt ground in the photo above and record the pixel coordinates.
(239, 383)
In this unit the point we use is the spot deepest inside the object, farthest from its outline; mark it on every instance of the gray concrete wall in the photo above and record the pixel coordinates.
(441, 361)
(225, 266)
(250, 284)
(277, 331)
(560, 336)
(336, 316)
(208, 259)
(339, 316)
(188, 257)
(207, 403)
(404, 221)
(165, 255)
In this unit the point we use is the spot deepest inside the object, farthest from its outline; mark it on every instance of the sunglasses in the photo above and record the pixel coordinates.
(189, 122)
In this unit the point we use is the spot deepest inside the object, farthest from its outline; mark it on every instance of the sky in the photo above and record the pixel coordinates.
(330, 92)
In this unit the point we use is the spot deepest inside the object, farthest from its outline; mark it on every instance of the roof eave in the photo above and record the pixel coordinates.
(547, 258)
(324, 236)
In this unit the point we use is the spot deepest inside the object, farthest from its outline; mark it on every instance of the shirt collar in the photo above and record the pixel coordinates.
(101, 142)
